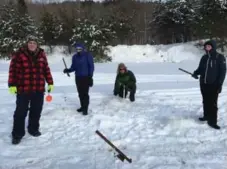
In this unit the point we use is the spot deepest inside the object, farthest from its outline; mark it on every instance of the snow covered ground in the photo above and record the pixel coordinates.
(159, 130)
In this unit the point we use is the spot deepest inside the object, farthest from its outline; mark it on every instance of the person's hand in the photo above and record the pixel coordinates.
(90, 81)
(219, 88)
(13, 90)
(115, 93)
(66, 70)
(50, 88)
(194, 76)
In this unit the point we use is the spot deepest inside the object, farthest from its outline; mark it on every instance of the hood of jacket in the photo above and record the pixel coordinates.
(213, 44)
(79, 45)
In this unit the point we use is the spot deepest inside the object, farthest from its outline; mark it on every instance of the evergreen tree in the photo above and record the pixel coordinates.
(175, 19)
(22, 7)
(51, 29)
(121, 18)
(107, 29)
(122, 26)
(67, 24)
(212, 23)
(95, 36)
(209, 16)
(223, 4)
(14, 29)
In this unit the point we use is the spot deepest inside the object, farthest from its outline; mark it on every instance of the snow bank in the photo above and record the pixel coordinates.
(159, 53)
(135, 53)
(143, 53)
(4, 61)
(56, 56)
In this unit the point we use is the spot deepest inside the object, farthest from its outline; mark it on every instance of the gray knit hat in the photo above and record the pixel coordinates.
(31, 38)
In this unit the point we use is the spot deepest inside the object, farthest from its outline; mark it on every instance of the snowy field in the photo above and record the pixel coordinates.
(159, 130)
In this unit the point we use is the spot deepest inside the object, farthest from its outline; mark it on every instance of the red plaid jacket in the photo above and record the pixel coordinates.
(29, 73)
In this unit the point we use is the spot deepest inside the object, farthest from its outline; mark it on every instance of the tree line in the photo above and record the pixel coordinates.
(111, 22)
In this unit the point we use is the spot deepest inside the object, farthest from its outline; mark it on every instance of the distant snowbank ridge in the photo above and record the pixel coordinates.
(174, 53)
(157, 53)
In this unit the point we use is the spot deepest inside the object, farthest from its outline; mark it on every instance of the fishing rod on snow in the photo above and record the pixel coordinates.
(120, 155)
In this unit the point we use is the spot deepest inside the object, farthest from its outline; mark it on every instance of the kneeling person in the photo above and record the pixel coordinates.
(125, 82)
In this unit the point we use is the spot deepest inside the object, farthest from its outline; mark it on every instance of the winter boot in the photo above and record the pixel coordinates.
(35, 133)
(79, 110)
(16, 140)
(203, 119)
(85, 111)
(215, 126)
(132, 97)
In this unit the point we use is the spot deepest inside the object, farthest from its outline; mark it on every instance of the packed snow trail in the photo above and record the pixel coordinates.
(160, 130)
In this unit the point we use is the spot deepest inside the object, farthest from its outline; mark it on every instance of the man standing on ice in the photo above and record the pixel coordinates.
(28, 73)
(212, 71)
(83, 66)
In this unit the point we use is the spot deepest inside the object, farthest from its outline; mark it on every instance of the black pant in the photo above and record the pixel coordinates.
(210, 98)
(82, 84)
(123, 92)
(20, 114)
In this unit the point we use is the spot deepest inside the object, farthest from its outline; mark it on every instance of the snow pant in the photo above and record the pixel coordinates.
(210, 98)
(82, 84)
(22, 106)
(123, 92)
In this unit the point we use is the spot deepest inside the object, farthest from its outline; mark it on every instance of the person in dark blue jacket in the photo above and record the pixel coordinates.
(212, 71)
(83, 66)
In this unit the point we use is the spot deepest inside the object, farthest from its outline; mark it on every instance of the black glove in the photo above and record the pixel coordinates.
(219, 88)
(66, 70)
(115, 93)
(194, 75)
(90, 83)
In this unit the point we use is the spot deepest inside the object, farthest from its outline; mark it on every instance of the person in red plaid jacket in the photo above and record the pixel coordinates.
(28, 73)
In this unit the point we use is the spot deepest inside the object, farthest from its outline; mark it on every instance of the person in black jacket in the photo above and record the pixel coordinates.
(125, 82)
(212, 71)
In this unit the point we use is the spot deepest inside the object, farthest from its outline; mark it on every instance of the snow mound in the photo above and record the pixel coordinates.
(159, 53)
(173, 53)
(58, 52)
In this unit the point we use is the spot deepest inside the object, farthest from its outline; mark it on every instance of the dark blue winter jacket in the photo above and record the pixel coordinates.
(212, 66)
(82, 63)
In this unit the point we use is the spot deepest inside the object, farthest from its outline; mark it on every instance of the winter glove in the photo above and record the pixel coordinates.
(13, 90)
(219, 88)
(90, 81)
(50, 88)
(194, 75)
(66, 70)
(115, 92)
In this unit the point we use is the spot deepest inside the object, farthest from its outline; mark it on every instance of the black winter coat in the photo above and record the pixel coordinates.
(212, 67)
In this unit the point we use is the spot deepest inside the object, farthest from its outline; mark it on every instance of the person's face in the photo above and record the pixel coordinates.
(208, 47)
(122, 70)
(79, 49)
(32, 46)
